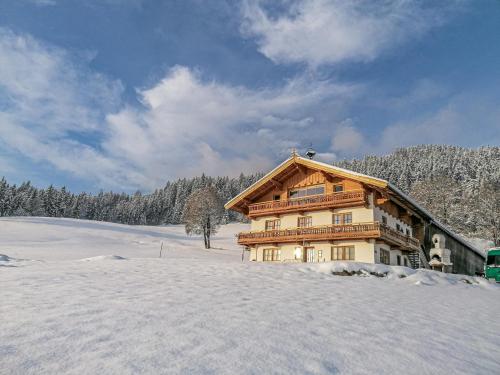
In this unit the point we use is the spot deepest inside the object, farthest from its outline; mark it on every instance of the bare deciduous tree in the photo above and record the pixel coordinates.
(486, 210)
(203, 213)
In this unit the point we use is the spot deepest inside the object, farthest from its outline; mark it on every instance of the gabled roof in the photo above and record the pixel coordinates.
(375, 182)
(312, 164)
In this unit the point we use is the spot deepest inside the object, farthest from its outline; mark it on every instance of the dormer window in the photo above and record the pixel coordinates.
(307, 191)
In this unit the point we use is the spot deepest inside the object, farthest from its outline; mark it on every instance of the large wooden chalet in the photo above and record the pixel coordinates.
(308, 211)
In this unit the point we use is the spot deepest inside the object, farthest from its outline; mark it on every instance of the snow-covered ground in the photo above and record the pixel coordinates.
(82, 297)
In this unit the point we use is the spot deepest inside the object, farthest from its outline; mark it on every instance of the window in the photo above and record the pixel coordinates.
(384, 220)
(273, 224)
(345, 218)
(405, 262)
(348, 218)
(343, 253)
(320, 254)
(304, 221)
(407, 232)
(385, 256)
(493, 260)
(338, 188)
(272, 255)
(337, 219)
(276, 197)
(307, 191)
(398, 260)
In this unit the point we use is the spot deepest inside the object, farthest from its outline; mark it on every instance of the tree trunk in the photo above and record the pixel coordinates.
(208, 233)
(205, 238)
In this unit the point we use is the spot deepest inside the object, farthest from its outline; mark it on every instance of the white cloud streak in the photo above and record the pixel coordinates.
(318, 32)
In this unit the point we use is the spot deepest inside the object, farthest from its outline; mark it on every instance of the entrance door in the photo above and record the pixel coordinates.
(310, 254)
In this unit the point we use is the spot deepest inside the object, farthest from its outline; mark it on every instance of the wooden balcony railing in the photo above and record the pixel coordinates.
(395, 237)
(330, 232)
(318, 202)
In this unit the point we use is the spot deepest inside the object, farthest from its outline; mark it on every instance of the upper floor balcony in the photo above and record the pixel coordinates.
(316, 202)
(355, 231)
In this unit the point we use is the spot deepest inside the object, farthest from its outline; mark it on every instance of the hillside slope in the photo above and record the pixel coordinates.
(87, 297)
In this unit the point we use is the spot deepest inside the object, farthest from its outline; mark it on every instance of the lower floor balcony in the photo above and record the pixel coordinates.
(354, 231)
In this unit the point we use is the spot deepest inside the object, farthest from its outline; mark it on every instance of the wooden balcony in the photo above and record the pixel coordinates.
(318, 202)
(399, 239)
(357, 231)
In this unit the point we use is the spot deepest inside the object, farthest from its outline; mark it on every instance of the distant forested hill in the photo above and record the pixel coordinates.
(406, 166)
(163, 206)
(459, 185)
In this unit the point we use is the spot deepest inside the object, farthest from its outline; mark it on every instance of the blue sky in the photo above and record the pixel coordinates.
(125, 95)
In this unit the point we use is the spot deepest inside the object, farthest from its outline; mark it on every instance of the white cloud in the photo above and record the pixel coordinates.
(189, 126)
(463, 119)
(347, 139)
(48, 102)
(331, 31)
(57, 111)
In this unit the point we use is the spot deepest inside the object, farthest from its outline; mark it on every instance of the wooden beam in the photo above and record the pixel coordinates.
(300, 168)
(381, 201)
(277, 184)
(327, 176)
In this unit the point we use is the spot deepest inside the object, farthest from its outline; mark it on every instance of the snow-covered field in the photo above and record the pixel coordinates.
(82, 297)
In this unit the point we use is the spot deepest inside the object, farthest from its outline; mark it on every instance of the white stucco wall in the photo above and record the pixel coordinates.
(391, 220)
(393, 255)
(364, 251)
(359, 214)
(324, 217)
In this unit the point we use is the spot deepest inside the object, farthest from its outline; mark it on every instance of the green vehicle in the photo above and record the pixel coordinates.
(492, 266)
